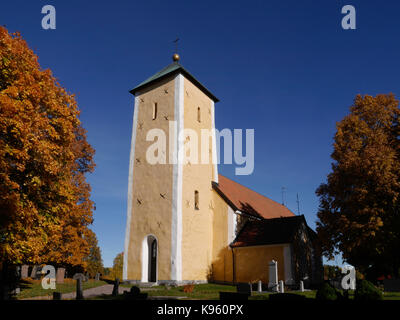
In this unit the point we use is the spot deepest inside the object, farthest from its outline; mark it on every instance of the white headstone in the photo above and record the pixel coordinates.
(259, 286)
(281, 287)
(273, 275)
(301, 286)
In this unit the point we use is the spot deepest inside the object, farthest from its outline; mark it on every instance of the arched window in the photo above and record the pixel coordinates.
(198, 115)
(154, 110)
(196, 200)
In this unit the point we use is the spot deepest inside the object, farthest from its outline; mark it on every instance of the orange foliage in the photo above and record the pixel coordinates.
(359, 211)
(44, 155)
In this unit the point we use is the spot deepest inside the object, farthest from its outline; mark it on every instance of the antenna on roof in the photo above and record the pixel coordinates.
(283, 195)
(298, 204)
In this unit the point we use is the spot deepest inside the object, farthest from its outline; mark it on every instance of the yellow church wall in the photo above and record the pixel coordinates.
(197, 231)
(153, 215)
(251, 263)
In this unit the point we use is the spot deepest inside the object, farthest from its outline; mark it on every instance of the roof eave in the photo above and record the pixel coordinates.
(186, 74)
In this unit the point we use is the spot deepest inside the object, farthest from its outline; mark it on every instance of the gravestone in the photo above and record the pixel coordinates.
(259, 289)
(24, 271)
(244, 288)
(34, 272)
(135, 294)
(56, 295)
(116, 287)
(391, 285)
(273, 276)
(281, 287)
(79, 276)
(301, 286)
(97, 276)
(79, 291)
(232, 296)
(60, 275)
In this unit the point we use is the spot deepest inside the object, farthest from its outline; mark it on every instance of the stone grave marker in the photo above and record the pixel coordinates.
(135, 294)
(60, 275)
(391, 285)
(259, 288)
(116, 286)
(34, 272)
(273, 276)
(301, 286)
(24, 271)
(56, 295)
(97, 276)
(79, 276)
(79, 291)
(244, 288)
(281, 287)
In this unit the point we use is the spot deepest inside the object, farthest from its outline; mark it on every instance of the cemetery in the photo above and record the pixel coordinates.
(80, 287)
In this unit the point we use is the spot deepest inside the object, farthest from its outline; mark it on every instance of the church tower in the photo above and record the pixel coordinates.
(169, 231)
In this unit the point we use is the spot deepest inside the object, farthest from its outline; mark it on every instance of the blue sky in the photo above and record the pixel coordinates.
(285, 68)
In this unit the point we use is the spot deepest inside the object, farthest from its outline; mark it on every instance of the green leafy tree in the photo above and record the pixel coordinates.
(359, 212)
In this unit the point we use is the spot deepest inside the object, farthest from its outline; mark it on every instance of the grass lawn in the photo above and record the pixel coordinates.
(211, 292)
(207, 291)
(391, 296)
(33, 288)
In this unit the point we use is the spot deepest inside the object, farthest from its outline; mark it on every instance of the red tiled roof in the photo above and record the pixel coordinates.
(248, 201)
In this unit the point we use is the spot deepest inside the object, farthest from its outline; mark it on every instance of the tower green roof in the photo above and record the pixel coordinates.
(173, 68)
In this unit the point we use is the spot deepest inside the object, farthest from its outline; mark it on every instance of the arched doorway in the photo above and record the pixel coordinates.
(149, 259)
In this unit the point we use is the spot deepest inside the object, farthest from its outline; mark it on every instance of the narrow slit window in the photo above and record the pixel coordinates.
(154, 110)
(198, 115)
(196, 200)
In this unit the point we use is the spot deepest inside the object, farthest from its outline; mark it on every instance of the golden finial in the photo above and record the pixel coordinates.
(175, 57)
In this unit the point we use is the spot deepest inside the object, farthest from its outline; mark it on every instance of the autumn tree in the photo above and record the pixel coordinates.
(118, 263)
(94, 262)
(44, 155)
(359, 212)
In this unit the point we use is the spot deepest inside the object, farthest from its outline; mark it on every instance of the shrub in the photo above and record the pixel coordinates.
(326, 292)
(365, 291)
(188, 288)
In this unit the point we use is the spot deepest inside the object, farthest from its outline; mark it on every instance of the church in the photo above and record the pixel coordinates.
(188, 224)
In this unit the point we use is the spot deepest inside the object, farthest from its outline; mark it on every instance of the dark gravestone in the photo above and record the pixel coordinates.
(116, 287)
(135, 294)
(391, 285)
(79, 291)
(79, 276)
(34, 272)
(244, 288)
(286, 297)
(24, 271)
(60, 275)
(233, 296)
(56, 295)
